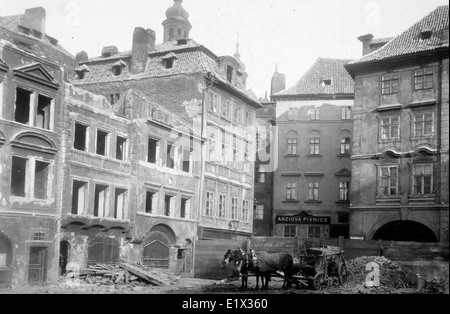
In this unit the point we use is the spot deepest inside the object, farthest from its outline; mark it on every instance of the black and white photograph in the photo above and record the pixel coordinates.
(228, 153)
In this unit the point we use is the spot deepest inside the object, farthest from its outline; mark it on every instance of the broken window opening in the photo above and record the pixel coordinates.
(120, 204)
(326, 82)
(170, 160)
(121, 147)
(184, 213)
(152, 150)
(100, 201)
(168, 205)
(117, 70)
(168, 63)
(43, 112)
(186, 160)
(80, 137)
(79, 196)
(149, 201)
(102, 143)
(18, 176)
(41, 180)
(22, 112)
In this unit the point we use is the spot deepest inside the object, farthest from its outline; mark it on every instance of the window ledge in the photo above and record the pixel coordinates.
(290, 202)
(388, 200)
(425, 137)
(313, 156)
(389, 107)
(313, 202)
(291, 156)
(344, 155)
(422, 103)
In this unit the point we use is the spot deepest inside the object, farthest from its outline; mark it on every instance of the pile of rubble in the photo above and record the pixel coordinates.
(393, 276)
(326, 250)
(123, 273)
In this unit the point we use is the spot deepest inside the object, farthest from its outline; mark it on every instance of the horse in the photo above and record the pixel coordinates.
(242, 265)
(267, 263)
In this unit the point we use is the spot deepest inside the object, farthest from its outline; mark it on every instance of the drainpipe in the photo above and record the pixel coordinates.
(438, 135)
(203, 141)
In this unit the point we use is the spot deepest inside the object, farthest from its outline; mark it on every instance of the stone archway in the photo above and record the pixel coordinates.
(405, 230)
(6, 257)
(157, 246)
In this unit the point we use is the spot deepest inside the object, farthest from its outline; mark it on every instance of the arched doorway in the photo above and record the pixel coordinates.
(64, 247)
(103, 250)
(157, 246)
(5, 261)
(405, 230)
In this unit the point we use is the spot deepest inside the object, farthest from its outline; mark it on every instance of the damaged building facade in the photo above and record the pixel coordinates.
(31, 114)
(209, 94)
(401, 135)
(130, 155)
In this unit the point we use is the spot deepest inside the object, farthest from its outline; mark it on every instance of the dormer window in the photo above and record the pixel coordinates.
(81, 71)
(229, 73)
(327, 82)
(425, 35)
(168, 60)
(117, 67)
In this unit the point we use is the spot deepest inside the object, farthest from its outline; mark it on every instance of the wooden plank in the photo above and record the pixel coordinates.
(140, 273)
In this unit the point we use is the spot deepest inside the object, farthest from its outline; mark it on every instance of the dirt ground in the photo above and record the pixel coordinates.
(183, 286)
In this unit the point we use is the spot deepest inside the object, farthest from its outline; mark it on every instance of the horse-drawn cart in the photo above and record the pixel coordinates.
(320, 268)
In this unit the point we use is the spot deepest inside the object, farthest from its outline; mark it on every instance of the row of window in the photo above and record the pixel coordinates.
(230, 110)
(423, 79)
(314, 146)
(423, 125)
(229, 149)
(235, 210)
(313, 191)
(102, 200)
(422, 180)
(177, 157)
(314, 114)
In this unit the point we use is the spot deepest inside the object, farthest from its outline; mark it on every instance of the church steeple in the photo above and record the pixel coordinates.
(177, 25)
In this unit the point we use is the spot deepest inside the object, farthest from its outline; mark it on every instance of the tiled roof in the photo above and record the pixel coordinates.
(410, 42)
(311, 83)
(379, 41)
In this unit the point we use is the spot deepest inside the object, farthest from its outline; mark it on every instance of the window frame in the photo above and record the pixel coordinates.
(314, 145)
(291, 191)
(422, 179)
(289, 231)
(390, 83)
(427, 73)
(389, 128)
(381, 184)
(344, 191)
(423, 123)
(313, 190)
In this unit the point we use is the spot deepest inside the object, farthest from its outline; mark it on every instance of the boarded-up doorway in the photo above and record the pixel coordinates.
(157, 250)
(103, 250)
(37, 265)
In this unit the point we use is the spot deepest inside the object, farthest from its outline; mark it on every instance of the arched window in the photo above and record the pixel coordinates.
(179, 32)
(170, 32)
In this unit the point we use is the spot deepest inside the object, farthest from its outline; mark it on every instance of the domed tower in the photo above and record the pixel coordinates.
(177, 25)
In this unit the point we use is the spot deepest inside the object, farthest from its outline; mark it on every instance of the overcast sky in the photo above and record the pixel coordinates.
(290, 33)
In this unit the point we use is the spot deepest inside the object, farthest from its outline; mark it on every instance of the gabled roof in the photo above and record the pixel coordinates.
(312, 82)
(36, 72)
(410, 42)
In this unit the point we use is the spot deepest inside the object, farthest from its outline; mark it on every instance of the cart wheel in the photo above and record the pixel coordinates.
(321, 281)
(342, 274)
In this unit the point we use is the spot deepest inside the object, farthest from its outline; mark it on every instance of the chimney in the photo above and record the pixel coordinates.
(34, 18)
(109, 51)
(143, 44)
(366, 39)
(81, 57)
(278, 82)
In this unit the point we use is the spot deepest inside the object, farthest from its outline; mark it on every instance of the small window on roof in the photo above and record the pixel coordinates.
(117, 70)
(425, 35)
(326, 82)
(168, 63)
